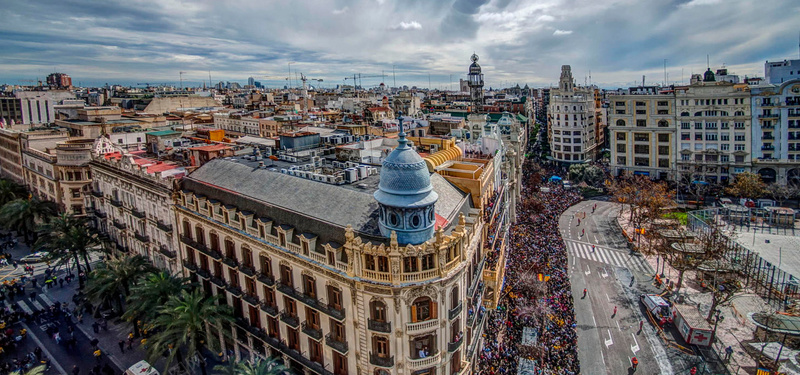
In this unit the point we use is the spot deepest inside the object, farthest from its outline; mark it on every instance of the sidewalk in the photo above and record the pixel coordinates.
(108, 340)
(735, 330)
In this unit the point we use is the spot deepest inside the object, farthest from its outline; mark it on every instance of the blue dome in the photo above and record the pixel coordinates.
(406, 195)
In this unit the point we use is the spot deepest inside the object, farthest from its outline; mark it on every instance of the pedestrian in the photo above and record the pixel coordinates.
(94, 343)
(615, 311)
(76, 370)
(641, 324)
(122, 346)
(16, 265)
(130, 342)
(95, 327)
(61, 282)
(34, 281)
(584, 292)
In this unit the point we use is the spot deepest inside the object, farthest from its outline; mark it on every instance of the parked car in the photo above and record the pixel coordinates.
(35, 257)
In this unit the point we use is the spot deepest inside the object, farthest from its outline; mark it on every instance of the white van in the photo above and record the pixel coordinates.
(142, 368)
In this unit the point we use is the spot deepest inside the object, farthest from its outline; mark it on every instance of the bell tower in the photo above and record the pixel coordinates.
(475, 82)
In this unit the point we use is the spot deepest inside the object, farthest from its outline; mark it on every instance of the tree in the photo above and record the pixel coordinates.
(747, 185)
(590, 174)
(781, 193)
(67, 237)
(10, 191)
(38, 370)
(111, 282)
(270, 366)
(149, 294)
(24, 215)
(184, 323)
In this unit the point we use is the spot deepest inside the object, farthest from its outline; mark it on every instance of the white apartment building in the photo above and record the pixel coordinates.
(714, 135)
(131, 199)
(571, 117)
(642, 130)
(776, 131)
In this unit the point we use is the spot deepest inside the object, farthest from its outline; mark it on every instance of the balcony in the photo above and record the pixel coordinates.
(248, 270)
(251, 299)
(422, 363)
(314, 333)
(189, 266)
(235, 291)
(336, 344)
(271, 310)
(137, 213)
(98, 194)
(230, 262)
(255, 331)
(338, 314)
(767, 148)
(289, 319)
(293, 354)
(116, 203)
(419, 327)
(792, 102)
(165, 227)
(768, 137)
(374, 325)
(379, 361)
(121, 248)
(453, 346)
(120, 226)
(266, 279)
(201, 247)
(141, 238)
(770, 126)
(204, 273)
(453, 313)
(167, 252)
(100, 214)
(769, 116)
(218, 281)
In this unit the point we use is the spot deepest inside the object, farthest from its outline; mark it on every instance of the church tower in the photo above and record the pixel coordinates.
(475, 81)
(405, 195)
(566, 83)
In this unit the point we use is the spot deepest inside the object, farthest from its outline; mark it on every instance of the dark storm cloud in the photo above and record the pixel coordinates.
(519, 41)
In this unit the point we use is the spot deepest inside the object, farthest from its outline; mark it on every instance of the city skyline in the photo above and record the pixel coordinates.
(519, 42)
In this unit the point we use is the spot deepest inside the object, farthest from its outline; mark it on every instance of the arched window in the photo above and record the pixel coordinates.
(684, 113)
(214, 241)
(230, 249)
(663, 124)
(620, 122)
(201, 236)
(739, 113)
(187, 229)
(423, 309)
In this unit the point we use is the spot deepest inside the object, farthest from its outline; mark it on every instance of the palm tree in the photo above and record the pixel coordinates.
(111, 282)
(184, 322)
(149, 294)
(10, 190)
(271, 366)
(38, 370)
(67, 238)
(24, 215)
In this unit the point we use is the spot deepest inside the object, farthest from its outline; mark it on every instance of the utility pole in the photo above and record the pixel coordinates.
(181, 79)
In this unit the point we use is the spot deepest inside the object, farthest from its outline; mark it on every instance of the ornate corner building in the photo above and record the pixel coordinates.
(381, 274)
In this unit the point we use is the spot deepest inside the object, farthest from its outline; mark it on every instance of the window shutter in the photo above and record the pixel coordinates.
(413, 314)
(434, 310)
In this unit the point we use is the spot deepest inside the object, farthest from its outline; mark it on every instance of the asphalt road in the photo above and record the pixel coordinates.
(614, 279)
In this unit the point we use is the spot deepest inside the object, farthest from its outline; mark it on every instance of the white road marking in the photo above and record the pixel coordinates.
(634, 348)
(609, 341)
(605, 273)
(587, 270)
(594, 321)
(603, 358)
(618, 327)
(609, 299)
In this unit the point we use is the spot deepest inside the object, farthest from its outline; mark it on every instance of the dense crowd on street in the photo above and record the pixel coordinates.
(535, 248)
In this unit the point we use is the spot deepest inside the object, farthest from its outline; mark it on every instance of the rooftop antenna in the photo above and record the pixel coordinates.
(708, 62)
(590, 77)
(665, 72)
(209, 79)
(181, 77)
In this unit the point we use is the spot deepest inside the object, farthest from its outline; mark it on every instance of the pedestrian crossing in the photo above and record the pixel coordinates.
(607, 256)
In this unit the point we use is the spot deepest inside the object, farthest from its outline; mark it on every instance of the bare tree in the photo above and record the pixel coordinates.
(781, 193)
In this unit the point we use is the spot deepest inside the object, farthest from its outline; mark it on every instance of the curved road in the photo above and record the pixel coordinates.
(614, 278)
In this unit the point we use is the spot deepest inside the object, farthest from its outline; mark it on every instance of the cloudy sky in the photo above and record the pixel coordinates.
(518, 41)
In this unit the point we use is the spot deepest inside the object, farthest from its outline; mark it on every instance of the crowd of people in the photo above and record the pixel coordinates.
(537, 254)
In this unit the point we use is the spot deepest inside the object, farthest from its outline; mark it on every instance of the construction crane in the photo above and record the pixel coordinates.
(181, 75)
(358, 76)
(149, 85)
(304, 79)
(36, 81)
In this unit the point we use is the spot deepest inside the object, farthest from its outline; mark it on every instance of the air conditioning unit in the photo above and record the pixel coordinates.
(362, 172)
(373, 171)
(351, 175)
(284, 171)
(434, 148)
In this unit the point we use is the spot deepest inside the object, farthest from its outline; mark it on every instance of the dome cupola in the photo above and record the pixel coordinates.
(405, 195)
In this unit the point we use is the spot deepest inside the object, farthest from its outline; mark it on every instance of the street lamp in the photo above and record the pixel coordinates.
(717, 318)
